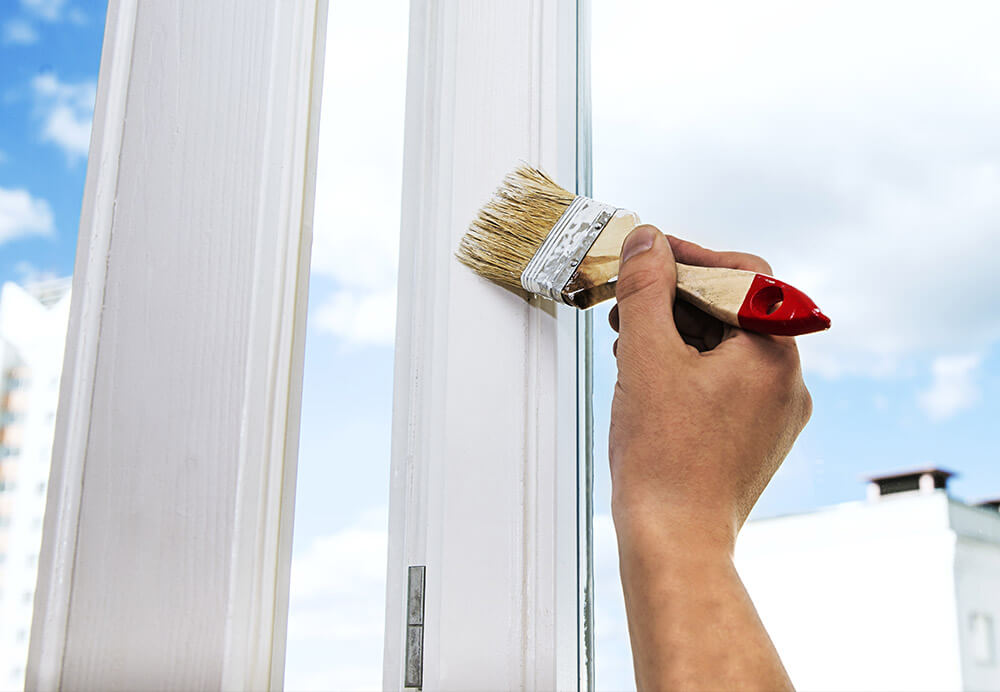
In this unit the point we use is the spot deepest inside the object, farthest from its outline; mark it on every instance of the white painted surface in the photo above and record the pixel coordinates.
(167, 536)
(483, 480)
(876, 595)
(32, 334)
(977, 586)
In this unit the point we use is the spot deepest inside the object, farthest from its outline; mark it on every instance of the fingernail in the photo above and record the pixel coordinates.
(639, 240)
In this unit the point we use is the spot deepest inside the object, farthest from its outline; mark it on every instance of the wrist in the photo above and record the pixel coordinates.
(686, 533)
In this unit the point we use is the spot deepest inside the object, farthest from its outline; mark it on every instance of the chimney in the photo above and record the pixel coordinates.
(925, 480)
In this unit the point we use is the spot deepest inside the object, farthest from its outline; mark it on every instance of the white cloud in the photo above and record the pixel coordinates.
(66, 111)
(365, 317)
(337, 606)
(28, 273)
(49, 10)
(356, 227)
(869, 178)
(19, 32)
(319, 571)
(953, 387)
(21, 215)
(54, 11)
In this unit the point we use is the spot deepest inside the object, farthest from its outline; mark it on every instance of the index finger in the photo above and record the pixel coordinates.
(687, 252)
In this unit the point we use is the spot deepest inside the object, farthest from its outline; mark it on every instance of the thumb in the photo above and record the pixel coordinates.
(647, 284)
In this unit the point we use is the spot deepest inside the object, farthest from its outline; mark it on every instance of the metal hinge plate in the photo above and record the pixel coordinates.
(414, 659)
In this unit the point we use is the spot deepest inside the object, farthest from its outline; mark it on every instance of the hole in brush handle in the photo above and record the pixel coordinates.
(773, 307)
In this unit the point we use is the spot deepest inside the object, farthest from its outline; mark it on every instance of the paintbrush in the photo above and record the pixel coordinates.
(535, 236)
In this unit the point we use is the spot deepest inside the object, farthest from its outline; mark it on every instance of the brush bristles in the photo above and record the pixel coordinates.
(511, 227)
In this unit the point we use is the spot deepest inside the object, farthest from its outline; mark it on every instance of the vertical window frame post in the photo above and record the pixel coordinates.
(483, 486)
(167, 537)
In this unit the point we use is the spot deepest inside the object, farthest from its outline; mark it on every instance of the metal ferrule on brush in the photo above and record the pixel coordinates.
(564, 248)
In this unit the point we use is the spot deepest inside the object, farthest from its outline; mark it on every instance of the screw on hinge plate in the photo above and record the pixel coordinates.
(414, 662)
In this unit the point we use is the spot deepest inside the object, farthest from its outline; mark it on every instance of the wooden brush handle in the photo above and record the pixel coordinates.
(752, 301)
(749, 300)
(719, 292)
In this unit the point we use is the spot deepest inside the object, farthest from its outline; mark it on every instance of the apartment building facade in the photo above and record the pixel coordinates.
(900, 591)
(33, 322)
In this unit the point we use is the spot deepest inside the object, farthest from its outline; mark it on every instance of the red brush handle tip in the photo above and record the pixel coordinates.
(773, 307)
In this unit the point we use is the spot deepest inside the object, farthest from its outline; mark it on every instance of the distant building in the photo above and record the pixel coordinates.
(897, 592)
(33, 322)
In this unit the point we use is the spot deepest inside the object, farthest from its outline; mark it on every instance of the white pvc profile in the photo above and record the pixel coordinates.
(167, 533)
(484, 451)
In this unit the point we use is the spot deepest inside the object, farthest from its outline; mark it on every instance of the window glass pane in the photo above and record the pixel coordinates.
(852, 145)
(337, 599)
(982, 642)
(50, 54)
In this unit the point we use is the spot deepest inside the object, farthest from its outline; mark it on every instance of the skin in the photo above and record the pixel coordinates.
(703, 416)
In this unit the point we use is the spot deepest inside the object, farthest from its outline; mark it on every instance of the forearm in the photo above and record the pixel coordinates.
(691, 622)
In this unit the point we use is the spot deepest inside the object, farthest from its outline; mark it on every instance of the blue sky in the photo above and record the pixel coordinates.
(870, 178)
(49, 52)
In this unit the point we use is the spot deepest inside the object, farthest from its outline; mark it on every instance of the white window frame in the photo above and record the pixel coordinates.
(484, 450)
(167, 535)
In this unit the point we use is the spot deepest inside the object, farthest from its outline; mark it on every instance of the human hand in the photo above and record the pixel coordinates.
(703, 416)
(703, 413)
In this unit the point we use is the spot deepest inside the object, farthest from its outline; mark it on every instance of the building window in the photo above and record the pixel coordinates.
(983, 641)
(14, 382)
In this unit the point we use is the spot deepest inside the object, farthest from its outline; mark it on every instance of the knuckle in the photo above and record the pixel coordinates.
(807, 404)
(783, 370)
(796, 398)
(787, 375)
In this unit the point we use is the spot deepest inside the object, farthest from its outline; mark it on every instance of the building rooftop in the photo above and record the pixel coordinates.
(917, 471)
(922, 479)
